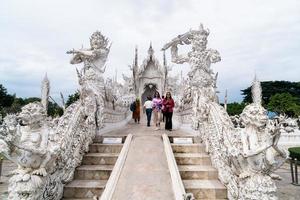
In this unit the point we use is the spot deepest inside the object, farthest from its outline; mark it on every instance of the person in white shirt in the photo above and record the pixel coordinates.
(148, 106)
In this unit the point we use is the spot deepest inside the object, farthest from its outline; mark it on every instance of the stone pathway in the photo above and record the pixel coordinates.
(287, 191)
(145, 174)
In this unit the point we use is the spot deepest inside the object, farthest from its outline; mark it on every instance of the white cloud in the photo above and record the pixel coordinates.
(251, 35)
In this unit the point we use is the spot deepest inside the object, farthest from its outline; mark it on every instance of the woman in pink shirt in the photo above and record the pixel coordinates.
(157, 105)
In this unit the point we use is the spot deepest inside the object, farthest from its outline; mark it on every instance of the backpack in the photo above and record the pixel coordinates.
(132, 107)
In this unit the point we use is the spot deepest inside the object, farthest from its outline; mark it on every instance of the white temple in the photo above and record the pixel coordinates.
(72, 157)
(150, 76)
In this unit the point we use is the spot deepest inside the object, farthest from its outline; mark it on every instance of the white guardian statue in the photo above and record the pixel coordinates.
(91, 75)
(201, 76)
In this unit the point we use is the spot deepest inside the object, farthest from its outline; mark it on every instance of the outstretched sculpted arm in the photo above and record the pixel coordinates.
(257, 151)
(80, 55)
(180, 39)
(179, 59)
(248, 152)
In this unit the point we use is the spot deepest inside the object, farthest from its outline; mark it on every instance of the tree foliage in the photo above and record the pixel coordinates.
(5, 98)
(235, 108)
(11, 104)
(270, 88)
(72, 98)
(18, 103)
(54, 110)
(284, 103)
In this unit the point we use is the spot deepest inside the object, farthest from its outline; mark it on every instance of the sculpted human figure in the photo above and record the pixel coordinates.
(257, 141)
(258, 155)
(91, 80)
(29, 149)
(201, 76)
(93, 58)
(260, 137)
(200, 58)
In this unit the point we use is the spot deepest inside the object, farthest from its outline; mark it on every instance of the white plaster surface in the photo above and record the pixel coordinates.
(145, 174)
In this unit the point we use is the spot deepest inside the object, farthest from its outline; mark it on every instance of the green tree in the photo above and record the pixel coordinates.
(284, 103)
(235, 108)
(5, 98)
(54, 110)
(18, 103)
(72, 98)
(11, 104)
(270, 88)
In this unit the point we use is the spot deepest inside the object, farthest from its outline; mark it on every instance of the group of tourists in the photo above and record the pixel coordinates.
(161, 107)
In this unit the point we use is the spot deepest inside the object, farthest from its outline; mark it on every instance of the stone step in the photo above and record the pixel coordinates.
(85, 189)
(93, 172)
(202, 172)
(105, 148)
(100, 158)
(99, 139)
(77, 199)
(205, 189)
(188, 148)
(192, 159)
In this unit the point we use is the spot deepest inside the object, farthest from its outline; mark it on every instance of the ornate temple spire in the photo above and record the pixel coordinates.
(45, 92)
(165, 59)
(135, 69)
(150, 50)
(135, 63)
(256, 91)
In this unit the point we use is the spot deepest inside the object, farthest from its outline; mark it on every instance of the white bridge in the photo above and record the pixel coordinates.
(94, 152)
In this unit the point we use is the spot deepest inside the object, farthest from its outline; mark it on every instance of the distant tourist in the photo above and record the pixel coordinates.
(136, 110)
(168, 104)
(157, 105)
(148, 108)
(162, 110)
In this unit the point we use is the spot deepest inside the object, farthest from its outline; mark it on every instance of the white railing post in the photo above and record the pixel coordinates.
(116, 172)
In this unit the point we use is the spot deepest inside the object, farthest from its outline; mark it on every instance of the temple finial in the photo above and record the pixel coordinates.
(150, 50)
(256, 91)
(45, 90)
(136, 56)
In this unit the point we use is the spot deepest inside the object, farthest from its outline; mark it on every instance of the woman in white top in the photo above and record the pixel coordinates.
(148, 107)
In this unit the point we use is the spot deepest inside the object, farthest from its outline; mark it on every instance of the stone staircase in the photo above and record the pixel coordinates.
(91, 177)
(198, 175)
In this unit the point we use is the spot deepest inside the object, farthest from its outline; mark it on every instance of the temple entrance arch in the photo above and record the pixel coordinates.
(150, 76)
(149, 90)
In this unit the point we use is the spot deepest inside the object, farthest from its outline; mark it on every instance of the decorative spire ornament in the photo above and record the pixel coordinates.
(45, 90)
(150, 50)
(256, 91)
(164, 59)
(136, 56)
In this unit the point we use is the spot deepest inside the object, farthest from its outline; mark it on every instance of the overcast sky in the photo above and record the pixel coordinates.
(251, 36)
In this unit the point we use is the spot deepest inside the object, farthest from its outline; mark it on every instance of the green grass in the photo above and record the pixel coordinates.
(295, 152)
